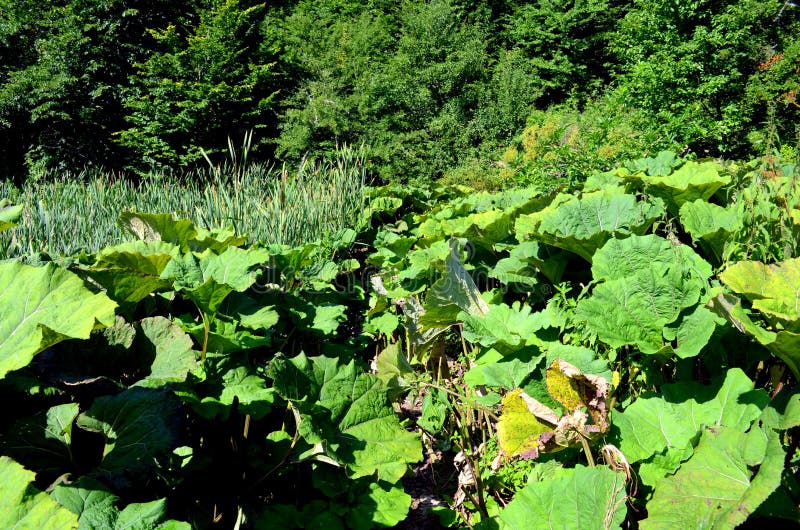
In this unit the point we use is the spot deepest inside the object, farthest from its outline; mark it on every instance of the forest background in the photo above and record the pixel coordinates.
(472, 92)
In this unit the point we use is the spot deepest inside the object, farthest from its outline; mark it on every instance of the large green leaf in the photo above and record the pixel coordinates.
(44, 440)
(207, 279)
(691, 332)
(574, 498)
(583, 225)
(784, 344)
(24, 507)
(622, 258)
(773, 289)
(225, 381)
(715, 487)
(158, 227)
(382, 506)
(169, 352)
(663, 163)
(138, 425)
(180, 232)
(454, 292)
(483, 229)
(9, 214)
(89, 499)
(655, 423)
(508, 371)
(648, 283)
(507, 329)
(361, 505)
(710, 224)
(131, 271)
(97, 508)
(692, 181)
(42, 306)
(526, 260)
(347, 412)
(226, 335)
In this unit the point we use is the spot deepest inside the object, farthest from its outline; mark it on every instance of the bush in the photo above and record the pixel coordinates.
(563, 145)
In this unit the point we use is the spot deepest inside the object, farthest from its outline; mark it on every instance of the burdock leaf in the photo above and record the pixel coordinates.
(41, 306)
(522, 423)
(574, 390)
(715, 487)
(580, 497)
(170, 349)
(138, 425)
(773, 289)
(583, 225)
(25, 507)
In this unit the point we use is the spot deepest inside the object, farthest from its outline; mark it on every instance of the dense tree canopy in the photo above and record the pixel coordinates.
(427, 85)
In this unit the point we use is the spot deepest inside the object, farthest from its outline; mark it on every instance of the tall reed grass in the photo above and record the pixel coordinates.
(66, 214)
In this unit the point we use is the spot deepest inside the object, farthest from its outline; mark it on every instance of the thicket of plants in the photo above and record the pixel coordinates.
(65, 214)
(624, 354)
(192, 337)
(429, 86)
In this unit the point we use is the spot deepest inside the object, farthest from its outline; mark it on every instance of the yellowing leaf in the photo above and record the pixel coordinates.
(523, 422)
(575, 390)
(773, 289)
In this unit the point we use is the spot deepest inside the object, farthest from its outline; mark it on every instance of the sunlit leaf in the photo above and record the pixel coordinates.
(580, 497)
(25, 507)
(42, 306)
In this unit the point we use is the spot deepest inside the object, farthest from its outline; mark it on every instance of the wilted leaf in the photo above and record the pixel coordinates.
(574, 390)
(522, 424)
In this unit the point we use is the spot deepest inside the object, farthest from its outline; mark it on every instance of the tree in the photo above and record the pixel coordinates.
(63, 71)
(209, 82)
(688, 63)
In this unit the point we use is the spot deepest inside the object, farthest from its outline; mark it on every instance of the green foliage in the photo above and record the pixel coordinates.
(24, 506)
(206, 83)
(564, 500)
(655, 288)
(564, 44)
(583, 225)
(58, 306)
(9, 214)
(563, 145)
(318, 201)
(729, 492)
(63, 70)
(688, 66)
